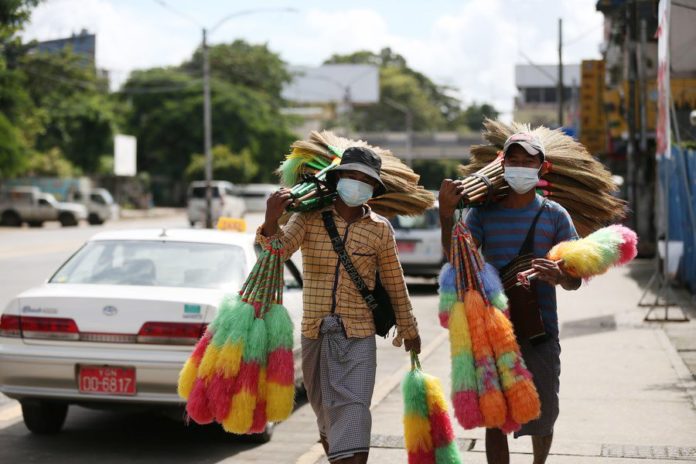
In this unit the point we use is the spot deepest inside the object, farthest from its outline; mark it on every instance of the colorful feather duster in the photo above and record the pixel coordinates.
(428, 433)
(491, 386)
(447, 292)
(304, 172)
(575, 179)
(241, 372)
(593, 255)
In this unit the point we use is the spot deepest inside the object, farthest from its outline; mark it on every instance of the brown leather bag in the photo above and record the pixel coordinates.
(525, 312)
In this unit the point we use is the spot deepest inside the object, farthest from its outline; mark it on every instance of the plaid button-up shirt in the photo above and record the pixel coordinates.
(371, 246)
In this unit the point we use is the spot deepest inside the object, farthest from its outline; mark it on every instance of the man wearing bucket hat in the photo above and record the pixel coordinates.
(338, 343)
(516, 234)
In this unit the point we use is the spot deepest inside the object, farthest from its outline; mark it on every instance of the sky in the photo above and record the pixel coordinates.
(471, 45)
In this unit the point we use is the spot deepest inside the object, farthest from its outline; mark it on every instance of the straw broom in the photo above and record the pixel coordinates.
(576, 180)
(322, 151)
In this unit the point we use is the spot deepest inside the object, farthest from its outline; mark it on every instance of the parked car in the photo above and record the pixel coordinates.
(224, 201)
(116, 322)
(100, 205)
(255, 195)
(30, 205)
(418, 241)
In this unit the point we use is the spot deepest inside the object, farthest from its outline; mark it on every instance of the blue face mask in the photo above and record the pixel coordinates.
(353, 192)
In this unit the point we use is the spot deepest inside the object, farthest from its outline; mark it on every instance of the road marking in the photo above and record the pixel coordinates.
(6, 253)
(385, 387)
(10, 415)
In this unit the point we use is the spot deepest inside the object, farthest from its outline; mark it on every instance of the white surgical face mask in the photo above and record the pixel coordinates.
(353, 192)
(521, 180)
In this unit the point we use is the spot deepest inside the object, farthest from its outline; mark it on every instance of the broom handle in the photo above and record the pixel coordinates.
(415, 362)
(483, 190)
(494, 179)
(524, 277)
(491, 169)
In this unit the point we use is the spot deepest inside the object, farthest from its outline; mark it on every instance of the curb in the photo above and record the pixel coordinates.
(385, 387)
(10, 414)
(686, 380)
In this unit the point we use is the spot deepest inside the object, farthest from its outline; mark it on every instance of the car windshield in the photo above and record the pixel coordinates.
(155, 263)
(428, 220)
(199, 192)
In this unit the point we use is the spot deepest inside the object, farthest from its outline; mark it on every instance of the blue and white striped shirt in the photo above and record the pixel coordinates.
(501, 232)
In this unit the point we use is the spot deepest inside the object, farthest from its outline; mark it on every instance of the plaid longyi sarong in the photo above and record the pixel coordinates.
(339, 376)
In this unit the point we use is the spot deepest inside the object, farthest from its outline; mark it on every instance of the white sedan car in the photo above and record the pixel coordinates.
(418, 241)
(114, 325)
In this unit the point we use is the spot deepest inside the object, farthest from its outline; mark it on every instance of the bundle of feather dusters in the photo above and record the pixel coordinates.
(304, 171)
(491, 386)
(575, 179)
(241, 372)
(428, 434)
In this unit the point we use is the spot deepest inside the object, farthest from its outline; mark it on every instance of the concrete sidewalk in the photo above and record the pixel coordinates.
(626, 395)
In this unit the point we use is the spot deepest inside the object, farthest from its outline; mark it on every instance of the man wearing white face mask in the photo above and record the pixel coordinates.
(516, 234)
(338, 343)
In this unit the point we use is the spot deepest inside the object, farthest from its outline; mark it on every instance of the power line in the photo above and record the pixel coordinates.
(553, 78)
(580, 37)
(178, 12)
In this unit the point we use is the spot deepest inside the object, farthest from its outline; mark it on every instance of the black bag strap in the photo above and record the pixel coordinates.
(528, 244)
(340, 249)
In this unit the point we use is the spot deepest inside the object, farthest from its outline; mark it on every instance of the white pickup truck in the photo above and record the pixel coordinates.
(100, 205)
(30, 205)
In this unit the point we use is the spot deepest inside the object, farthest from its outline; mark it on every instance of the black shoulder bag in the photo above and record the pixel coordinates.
(378, 299)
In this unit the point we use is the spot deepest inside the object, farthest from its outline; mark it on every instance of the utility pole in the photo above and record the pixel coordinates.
(559, 90)
(207, 134)
(631, 13)
(408, 114)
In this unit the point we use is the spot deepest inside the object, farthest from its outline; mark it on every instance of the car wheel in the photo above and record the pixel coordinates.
(94, 220)
(11, 219)
(35, 223)
(44, 417)
(67, 220)
(263, 437)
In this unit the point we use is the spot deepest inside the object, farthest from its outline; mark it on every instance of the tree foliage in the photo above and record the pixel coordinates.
(475, 114)
(432, 105)
(240, 167)
(168, 121)
(249, 65)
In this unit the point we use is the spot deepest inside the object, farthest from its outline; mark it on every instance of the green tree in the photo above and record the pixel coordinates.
(474, 115)
(16, 121)
(432, 105)
(77, 114)
(12, 149)
(165, 113)
(433, 171)
(250, 65)
(237, 167)
(51, 163)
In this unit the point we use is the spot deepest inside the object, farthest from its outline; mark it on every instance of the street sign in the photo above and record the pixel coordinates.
(124, 155)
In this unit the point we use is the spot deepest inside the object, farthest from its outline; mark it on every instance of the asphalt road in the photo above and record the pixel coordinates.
(30, 256)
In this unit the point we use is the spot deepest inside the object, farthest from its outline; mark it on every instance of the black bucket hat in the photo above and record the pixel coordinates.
(361, 159)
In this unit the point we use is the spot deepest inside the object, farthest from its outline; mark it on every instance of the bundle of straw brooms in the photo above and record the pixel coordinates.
(304, 171)
(576, 180)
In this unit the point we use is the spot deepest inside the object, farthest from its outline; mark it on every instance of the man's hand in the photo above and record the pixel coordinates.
(413, 345)
(450, 194)
(275, 207)
(551, 273)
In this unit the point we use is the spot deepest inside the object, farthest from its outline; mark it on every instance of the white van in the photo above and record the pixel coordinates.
(224, 201)
(255, 195)
(100, 205)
